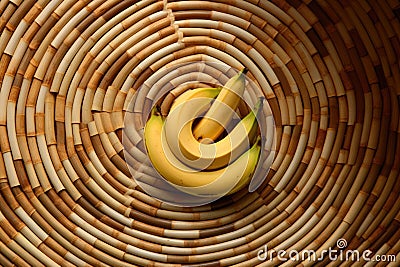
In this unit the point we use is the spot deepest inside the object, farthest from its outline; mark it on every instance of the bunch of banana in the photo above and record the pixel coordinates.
(187, 147)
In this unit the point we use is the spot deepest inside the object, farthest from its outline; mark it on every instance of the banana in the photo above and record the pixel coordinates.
(221, 111)
(216, 155)
(186, 111)
(198, 92)
(205, 183)
(245, 179)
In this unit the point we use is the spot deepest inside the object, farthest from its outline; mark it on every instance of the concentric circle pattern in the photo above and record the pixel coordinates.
(71, 70)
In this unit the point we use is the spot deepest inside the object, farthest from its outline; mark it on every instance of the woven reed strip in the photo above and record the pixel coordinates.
(8, 9)
(5, 262)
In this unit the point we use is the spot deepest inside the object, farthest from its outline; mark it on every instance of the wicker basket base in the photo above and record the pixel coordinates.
(71, 70)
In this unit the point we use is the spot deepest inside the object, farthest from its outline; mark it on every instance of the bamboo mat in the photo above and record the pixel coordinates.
(71, 70)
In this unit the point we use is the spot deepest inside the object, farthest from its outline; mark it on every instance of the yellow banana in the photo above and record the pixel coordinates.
(221, 111)
(205, 183)
(216, 155)
(247, 178)
(177, 120)
(198, 92)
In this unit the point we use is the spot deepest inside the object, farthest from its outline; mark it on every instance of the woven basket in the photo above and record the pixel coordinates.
(71, 70)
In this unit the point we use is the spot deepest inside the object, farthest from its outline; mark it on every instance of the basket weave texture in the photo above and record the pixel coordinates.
(70, 71)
